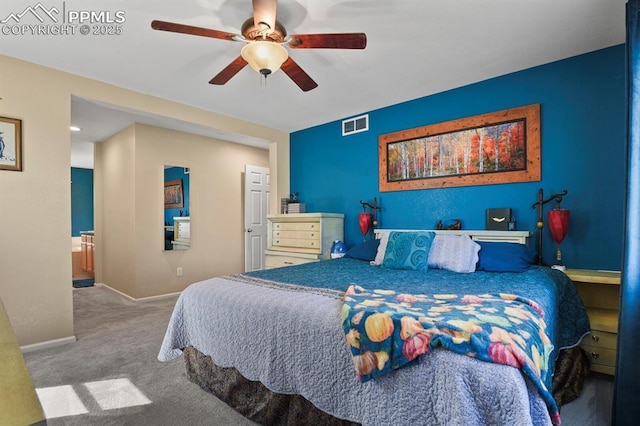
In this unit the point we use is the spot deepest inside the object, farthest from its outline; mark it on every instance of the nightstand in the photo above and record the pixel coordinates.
(600, 292)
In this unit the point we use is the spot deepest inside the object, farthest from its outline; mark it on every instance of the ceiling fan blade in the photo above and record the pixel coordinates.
(188, 29)
(297, 74)
(229, 71)
(264, 12)
(329, 41)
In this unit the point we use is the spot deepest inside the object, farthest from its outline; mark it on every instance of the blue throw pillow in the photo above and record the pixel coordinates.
(408, 250)
(504, 257)
(364, 251)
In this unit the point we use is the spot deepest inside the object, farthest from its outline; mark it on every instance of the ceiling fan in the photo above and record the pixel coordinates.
(265, 39)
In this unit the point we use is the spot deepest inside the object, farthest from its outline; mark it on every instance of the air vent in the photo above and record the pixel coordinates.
(355, 125)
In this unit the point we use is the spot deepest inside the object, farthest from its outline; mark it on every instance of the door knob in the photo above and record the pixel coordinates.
(249, 230)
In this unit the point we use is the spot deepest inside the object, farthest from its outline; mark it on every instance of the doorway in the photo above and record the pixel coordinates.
(82, 227)
(256, 206)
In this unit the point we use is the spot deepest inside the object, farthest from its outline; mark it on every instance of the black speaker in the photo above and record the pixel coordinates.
(499, 220)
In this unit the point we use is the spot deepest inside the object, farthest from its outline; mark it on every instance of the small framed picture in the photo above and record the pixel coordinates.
(10, 144)
(173, 196)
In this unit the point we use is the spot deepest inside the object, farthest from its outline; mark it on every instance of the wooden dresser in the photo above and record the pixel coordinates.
(600, 292)
(87, 249)
(293, 239)
(181, 233)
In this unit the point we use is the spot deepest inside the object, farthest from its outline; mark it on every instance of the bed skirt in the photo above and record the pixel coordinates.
(255, 402)
(252, 399)
(572, 367)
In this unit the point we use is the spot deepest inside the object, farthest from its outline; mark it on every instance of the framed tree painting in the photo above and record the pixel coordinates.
(498, 147)
(173, 196)
(10, 144)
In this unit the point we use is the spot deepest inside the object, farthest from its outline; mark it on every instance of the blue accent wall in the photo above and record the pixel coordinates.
(582, 149)
(81, 200)
(173, 173)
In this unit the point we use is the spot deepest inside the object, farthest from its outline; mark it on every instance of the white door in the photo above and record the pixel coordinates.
(256, 207)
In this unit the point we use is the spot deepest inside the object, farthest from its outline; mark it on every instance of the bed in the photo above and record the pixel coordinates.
(273, 344)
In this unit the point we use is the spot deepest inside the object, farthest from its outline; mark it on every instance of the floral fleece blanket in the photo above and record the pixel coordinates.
(387, 330)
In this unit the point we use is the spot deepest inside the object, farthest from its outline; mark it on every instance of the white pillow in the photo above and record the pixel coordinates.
(457, 253)
(384, 239)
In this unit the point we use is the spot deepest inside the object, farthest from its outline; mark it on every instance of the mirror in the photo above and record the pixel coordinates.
(177, 222)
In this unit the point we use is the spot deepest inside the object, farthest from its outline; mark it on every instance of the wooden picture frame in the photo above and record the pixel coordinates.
(173, 195)
(494, 148)
(10, 144)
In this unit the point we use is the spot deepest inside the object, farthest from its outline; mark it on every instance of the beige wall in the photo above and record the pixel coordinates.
(115, 235)
(132, 256)
(35, 212)
(35, 249)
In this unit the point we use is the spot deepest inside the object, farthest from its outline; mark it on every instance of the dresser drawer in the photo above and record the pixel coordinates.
(305, 235)
(296, 226)
(297, 242)
(271, 261)
(601, 339)
(600, 356)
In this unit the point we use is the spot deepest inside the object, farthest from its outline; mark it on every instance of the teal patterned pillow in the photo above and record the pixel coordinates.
(408, 250)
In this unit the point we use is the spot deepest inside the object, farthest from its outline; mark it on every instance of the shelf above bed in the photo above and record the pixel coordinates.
(519, 237)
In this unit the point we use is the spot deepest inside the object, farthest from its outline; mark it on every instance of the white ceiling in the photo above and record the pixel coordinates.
(415, 48)
(98, 121)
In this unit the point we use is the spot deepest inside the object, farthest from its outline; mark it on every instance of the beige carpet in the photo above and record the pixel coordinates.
(111, 376)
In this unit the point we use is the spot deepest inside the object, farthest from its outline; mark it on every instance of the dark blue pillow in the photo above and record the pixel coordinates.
(504, 257)
(364, 251)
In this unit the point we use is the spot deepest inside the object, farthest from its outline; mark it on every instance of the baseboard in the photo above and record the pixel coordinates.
(141, 299)
(72, 339)
(48, 344)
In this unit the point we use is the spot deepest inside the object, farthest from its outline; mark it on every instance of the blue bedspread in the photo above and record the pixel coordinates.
(564, 313)
(555, 293)
(282, 327)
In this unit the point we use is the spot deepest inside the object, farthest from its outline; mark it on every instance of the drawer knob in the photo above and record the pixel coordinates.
(277, 241)
(595, 338)
(595, 355)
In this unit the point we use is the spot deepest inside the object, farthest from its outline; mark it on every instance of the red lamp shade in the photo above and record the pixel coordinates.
(558, 224)
(364, 219)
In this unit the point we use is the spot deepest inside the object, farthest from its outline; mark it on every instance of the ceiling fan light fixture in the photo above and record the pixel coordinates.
(265, 57)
